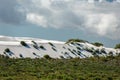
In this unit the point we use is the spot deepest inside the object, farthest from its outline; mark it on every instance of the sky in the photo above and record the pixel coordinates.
(91, 20)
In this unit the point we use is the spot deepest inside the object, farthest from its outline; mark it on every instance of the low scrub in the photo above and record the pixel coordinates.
(51, 44)
(47, 57)
(7, 50)
(23, 43)
(42, 47)
(117, 46)
(75, 40)
(93, 68)
(97, 44)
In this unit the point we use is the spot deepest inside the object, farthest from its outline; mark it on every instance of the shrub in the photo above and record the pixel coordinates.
(74, 50)
(34, 53)
(97, 44)
(118, 54)
(75, 40)
(64, 47)
(47, 57)
(97, 78)
(42, 47)
(110, 55)
(110, 78)
(103, 51)
(62, 57)
(7, 50)
(95, 54)
(23, 43)
(97, 51)
(60, 69)
(78, 48)
(34, 42)
(2, 56)
(54, 49)
(117, 46)
(81, 78)
(21, 55)
(89, 50)
(79, 53)
(79, 44)
(51, 44)
(9, 79)
(35, 46)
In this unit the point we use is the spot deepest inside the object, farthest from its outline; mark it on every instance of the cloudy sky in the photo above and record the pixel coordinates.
(92, 20)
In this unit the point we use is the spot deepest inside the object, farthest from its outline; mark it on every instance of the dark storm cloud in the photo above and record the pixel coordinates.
(9, 12)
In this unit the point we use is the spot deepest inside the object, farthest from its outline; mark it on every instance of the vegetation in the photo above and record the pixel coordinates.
(34, 42)
(97, 44)
(7, 50)
(75, 40)
(117, 46)
(103, 51)
(60, 69)
(23, 43)
(47, 57)
(54, 49)
(35, 46)
(51, 44)
(42, 47)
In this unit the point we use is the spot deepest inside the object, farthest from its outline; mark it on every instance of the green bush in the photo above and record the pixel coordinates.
(76, 40)
(89, 50)
(54, 49)
(62, 57)
(102, 68)
(42, 47)
(97, 78)
(51, 44)
(117, 46)
(110, 78)
(23, 43)
(35, 46)
(103, 51)
(21, 55)
(34, 42)
(97, 44)
(7, 50)
(47, 57)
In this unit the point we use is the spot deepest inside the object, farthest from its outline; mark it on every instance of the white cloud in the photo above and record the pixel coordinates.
(100, 18)
(37, 19)
(102, 24)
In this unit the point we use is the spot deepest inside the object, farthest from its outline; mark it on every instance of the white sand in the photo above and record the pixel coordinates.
(59, 48)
